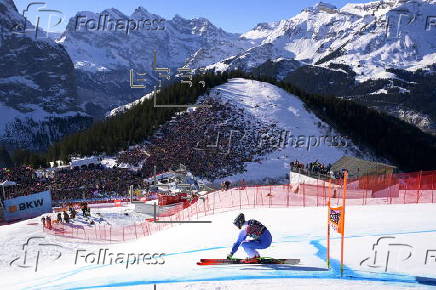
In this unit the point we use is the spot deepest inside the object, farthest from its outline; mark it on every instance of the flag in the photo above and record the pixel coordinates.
(336, 220)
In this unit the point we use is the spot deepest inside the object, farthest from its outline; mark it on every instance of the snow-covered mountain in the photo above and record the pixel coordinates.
(37, 86)
(371, 37)
(103, 58)
(354, 51)
(372, 45)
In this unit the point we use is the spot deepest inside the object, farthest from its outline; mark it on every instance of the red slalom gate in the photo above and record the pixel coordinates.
(417, 187)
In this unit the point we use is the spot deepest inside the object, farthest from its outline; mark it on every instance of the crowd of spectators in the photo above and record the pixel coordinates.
(312, 168)
(317, 167)
(24, 177)
(135, 156)
(71, 184)
(213, 141)
(297, 165)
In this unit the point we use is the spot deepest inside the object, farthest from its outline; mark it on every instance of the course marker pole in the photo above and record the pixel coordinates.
(342, 224)
(336, 218)
(328, 227)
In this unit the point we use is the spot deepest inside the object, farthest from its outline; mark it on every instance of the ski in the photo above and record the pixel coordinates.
(205, 262)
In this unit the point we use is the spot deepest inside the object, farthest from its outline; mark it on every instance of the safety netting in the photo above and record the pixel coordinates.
(418, 187)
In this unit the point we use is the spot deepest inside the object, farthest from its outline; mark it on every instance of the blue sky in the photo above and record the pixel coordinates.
(231, 15)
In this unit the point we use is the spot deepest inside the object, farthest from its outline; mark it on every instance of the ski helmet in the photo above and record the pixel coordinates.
(239, 220)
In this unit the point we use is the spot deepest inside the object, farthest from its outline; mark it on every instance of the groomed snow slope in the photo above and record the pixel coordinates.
(272, 105)
(297, 233)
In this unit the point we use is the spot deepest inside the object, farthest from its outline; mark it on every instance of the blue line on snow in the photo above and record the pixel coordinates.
(334, 273)
(321, 253)
(359, 275)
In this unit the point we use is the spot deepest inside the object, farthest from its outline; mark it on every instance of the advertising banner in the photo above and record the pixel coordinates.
(29, 206)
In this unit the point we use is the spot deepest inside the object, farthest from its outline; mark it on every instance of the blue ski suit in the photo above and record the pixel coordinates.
(250, 246)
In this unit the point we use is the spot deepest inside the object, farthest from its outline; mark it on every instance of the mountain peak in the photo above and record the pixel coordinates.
(177, 17)
(10, 4)
(202, 19)
(203, 23)
(115, 13)
(141, 9)
(266, 25)
(141, 12)
(322, 6)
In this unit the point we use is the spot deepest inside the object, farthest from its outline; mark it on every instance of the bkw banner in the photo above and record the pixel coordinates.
(29, 206)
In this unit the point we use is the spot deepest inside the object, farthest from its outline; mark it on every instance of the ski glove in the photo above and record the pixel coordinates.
(229, 256)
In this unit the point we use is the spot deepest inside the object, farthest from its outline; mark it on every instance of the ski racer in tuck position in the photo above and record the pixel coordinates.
(252, 236)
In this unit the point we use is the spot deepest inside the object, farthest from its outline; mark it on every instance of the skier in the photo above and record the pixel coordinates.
(260, 238)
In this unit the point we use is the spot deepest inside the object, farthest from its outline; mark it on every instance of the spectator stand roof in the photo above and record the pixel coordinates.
(358, 167)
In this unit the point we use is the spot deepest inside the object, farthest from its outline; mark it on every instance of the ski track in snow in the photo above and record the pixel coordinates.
(307, 243)
(333, 273)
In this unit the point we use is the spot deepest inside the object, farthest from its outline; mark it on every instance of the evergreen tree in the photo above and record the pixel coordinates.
(5, 158)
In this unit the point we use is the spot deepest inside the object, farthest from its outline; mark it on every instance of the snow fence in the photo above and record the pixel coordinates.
(418, 187)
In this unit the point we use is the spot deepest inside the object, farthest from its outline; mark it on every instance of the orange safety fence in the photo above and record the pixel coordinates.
(419, 187)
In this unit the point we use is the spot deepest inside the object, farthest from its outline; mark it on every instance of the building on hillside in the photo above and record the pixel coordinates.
(57, 163)
(358, 167)
(78, 162)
